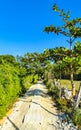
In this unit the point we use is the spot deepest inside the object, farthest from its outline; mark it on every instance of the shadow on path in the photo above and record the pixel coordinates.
(37, 92)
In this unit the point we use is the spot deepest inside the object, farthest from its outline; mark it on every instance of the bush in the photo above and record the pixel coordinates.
(63, 104)
(26, 82)
(50, 84)
(53, 90)
(35, 78)
(9, 87)
(76, 118)
(14, 81)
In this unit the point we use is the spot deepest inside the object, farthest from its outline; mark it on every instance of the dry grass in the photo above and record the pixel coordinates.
(67, 84)
(4, 118)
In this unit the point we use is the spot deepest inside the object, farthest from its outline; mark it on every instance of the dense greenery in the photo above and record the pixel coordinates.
(13, 82)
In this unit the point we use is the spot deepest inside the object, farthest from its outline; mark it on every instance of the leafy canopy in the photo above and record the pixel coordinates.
(70, 28)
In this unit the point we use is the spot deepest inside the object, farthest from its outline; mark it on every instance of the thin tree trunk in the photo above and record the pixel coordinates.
(60, 86)
(78, 97)
(72, 82)
(71, 70)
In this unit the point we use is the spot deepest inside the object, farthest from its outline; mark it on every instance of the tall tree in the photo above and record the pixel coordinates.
(70, 29)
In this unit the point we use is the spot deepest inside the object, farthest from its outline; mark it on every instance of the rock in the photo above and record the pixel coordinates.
(66, 93)
(65, 123)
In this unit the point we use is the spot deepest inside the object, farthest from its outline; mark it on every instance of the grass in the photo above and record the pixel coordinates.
(67, 84)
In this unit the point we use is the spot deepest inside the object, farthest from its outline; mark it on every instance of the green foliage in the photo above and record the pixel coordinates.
(77, 48)
(7, 59)
(27, 81)
(63, 104)
(49, 84)
(35, 63)
(35, 78)
(53, 90)
(72, 30)
(9, 86)
(76, 118)
(13, 82)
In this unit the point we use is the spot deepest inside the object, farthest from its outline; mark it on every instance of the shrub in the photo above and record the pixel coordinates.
(35, 78)
(53, 90)
(26, 82)
(63, 104)
(48, 84)
(9, 87)
(76, 118)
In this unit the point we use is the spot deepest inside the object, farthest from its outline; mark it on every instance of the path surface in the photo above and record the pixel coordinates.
(34, 111)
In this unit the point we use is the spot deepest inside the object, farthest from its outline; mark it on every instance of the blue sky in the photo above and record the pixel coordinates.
(22, 23)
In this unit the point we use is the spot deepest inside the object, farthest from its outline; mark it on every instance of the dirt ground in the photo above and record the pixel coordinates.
(34, 111)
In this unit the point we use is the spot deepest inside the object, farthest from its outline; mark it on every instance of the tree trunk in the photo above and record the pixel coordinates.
(60, 86)
(78, 97)
(72, 82)
(71, 70)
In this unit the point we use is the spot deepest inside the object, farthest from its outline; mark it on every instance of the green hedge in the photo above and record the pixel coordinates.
(12, 85)
(9, 87)
(27, 81)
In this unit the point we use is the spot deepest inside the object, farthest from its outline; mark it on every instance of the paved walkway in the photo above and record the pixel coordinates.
(34, 111)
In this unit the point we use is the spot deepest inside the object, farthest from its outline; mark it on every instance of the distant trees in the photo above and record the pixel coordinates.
(34, 63)
(72, 30)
